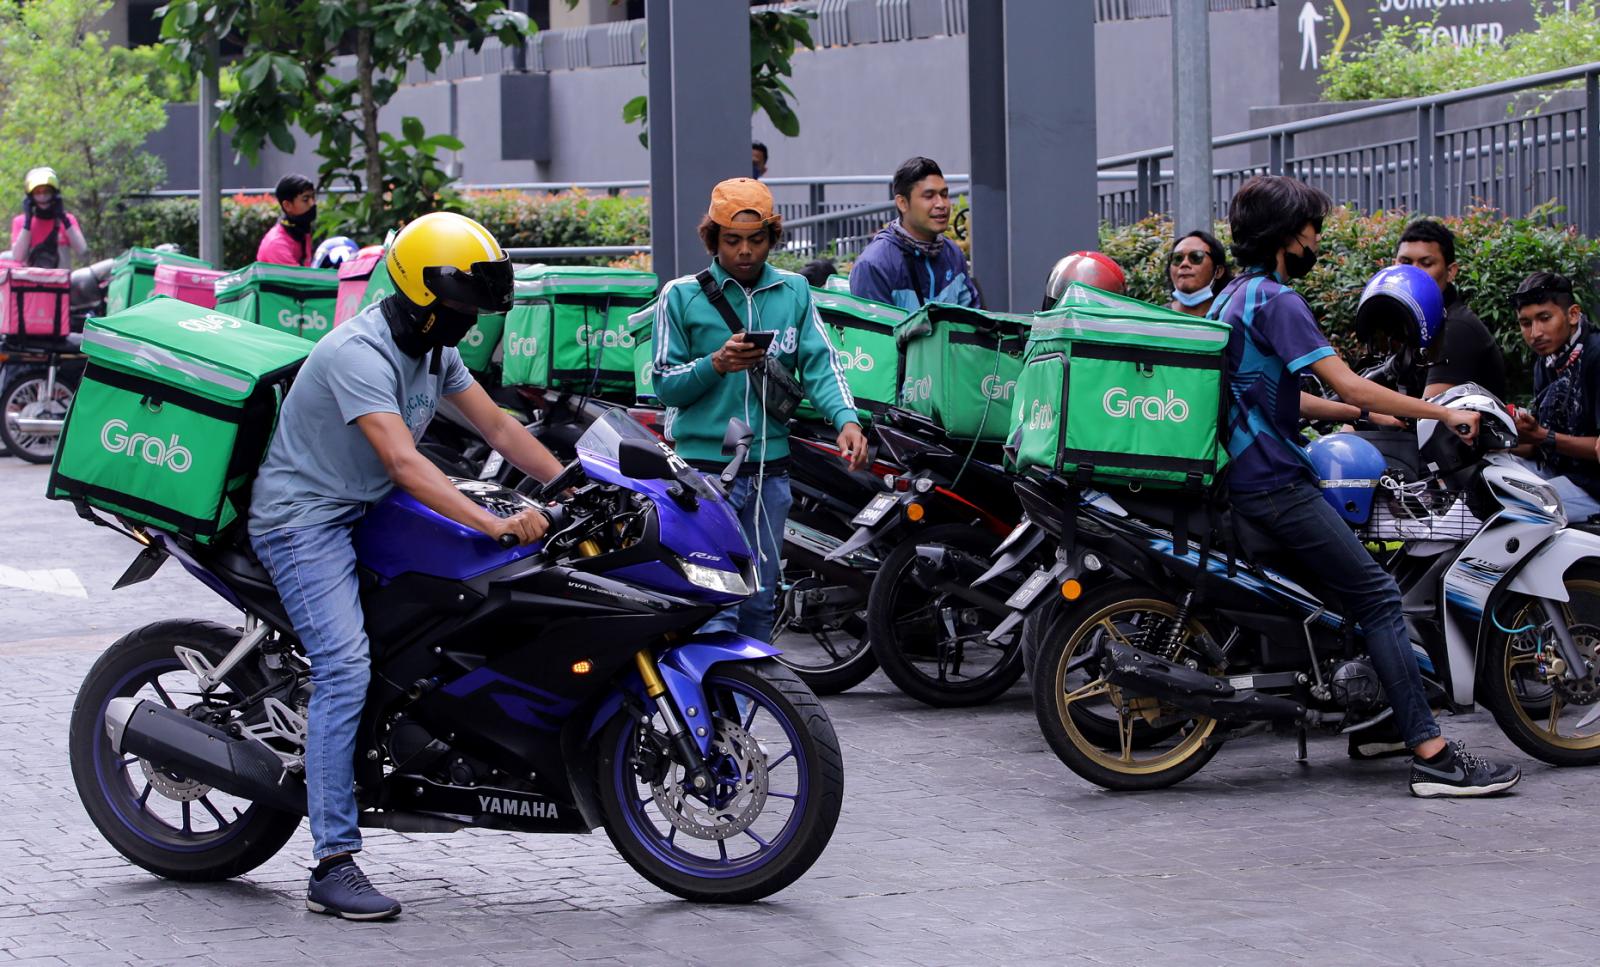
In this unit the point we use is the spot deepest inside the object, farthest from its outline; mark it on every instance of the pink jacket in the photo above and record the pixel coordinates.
(40, 233)
(281, 248)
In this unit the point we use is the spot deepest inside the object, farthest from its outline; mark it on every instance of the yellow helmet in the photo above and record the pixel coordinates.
(42, 178)
(443, 255)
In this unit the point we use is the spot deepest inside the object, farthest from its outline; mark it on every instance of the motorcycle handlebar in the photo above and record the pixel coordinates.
(556, 514)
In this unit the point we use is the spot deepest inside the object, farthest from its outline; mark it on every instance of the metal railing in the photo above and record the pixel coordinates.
(1515, 163)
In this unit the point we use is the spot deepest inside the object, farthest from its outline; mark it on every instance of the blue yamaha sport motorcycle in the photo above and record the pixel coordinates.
(554, 688)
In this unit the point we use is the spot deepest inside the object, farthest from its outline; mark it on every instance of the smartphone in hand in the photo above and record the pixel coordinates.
(761, 340)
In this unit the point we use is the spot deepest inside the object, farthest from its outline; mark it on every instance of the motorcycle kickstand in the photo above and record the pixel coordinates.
(1300, 743)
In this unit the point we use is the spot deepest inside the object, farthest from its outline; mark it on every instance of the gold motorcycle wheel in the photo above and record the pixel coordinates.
(1536, 703)
(1065, 697)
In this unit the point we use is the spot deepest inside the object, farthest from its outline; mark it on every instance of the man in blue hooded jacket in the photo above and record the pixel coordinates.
(911, 261)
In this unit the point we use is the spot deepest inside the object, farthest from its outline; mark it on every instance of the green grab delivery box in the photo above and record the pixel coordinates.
(641, 326)
(862, 333)
(133, 275)
(569, 327)
(296, 300)
(1121, 392)
(173, 415)
(959, 367)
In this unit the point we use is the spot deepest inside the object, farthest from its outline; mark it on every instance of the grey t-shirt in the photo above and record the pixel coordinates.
(320, 465)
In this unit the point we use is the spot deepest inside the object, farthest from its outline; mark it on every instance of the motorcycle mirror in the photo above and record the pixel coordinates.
(738, 433)
(643, 461)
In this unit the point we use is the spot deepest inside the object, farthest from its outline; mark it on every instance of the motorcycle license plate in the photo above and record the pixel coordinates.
(1024, 596)
(874, 512)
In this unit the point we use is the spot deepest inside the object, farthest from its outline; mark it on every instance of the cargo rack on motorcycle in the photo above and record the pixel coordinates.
(1418, 511)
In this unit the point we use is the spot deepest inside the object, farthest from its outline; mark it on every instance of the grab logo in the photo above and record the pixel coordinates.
(1042, 416)
(858, 360)
(300, 321)
(474, 337)
(917, 388)
(213, 322)
(1118, 403)
(604, 338)
(522, 346)
(646, 375)
(115, 438)
(995, 388)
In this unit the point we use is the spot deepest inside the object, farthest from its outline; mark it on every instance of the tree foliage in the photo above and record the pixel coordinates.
(63, 103)
(774, 37)
(287, 78)
(1403, 61)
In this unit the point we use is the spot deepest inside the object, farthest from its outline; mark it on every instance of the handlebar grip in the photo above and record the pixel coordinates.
(557, 515)
(507, 540)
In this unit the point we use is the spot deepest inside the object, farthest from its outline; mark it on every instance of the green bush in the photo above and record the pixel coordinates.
(1495, 254)
(1402, 61)
(245, 218)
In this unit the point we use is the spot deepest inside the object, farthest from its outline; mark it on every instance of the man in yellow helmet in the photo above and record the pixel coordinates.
(44, 229)
(346, 435)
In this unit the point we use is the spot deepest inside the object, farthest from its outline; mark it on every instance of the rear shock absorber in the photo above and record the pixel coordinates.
(1169, 648)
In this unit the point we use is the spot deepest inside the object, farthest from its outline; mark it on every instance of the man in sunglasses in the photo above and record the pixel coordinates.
(346, 436)
(1560, 431)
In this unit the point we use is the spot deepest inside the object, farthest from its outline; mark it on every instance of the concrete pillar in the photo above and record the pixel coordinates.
(698, 55)
(210, 164)
(1032, 103)
(1191, 115)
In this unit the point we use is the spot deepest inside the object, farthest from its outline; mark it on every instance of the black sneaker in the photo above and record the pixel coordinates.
(344, 891)
(1457, 772)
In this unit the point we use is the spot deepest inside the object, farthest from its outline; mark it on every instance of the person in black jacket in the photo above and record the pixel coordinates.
(1467, 353)
(1561, 431)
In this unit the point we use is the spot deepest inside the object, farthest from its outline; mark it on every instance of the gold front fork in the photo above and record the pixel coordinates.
(683, 743)
(646, 662)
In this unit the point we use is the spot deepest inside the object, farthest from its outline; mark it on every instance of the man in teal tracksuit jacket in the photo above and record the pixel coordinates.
(702, 374)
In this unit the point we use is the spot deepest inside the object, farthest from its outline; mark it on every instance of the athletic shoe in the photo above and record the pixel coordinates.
(344, 891)
(1457, 772)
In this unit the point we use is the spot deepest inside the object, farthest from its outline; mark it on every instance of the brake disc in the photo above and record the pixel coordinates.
(176, 788)
(740, 793)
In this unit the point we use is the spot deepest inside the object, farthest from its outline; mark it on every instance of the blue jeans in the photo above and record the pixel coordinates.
(314, 569)
(1305, 524)
(753, 615)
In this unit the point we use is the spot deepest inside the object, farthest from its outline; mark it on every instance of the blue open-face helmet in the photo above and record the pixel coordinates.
(1403, 302)
(334, 251)
(1348, 469)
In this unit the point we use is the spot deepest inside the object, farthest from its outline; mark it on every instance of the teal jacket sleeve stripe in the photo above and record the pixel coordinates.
(820, 371)
(681, 377)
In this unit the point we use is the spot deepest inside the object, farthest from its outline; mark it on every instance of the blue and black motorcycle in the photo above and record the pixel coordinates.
(554, 688)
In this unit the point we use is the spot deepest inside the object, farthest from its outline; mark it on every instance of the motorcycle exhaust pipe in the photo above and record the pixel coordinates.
(34, 426)
(1145, 674)
(190, 748)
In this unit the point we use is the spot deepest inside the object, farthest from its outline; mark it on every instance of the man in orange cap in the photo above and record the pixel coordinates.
(725, 340)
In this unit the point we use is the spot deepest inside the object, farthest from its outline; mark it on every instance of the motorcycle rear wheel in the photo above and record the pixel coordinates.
(916, 650)
(24, 395)
(780, 786)
(170, 825)
(1080, 740)
(1546, 730)
(828, 652)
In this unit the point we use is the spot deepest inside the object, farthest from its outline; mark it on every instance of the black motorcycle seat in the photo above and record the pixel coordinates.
(240, 561)
(1176, 511)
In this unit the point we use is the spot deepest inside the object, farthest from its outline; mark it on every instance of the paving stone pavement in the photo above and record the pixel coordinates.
(963, 841)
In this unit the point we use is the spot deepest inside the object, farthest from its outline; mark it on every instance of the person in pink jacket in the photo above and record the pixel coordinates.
(289, 241)
(44, 229)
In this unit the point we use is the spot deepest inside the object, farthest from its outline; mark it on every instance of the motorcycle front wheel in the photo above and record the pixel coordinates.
(1519, 663)
(779, 786)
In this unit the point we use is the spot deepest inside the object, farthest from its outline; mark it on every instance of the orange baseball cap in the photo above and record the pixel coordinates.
(737, 195)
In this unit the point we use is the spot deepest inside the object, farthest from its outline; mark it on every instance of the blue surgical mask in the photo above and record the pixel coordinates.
(1198, 297)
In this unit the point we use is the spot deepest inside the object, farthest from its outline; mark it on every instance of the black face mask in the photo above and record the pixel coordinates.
(420, 330)
(301, 223)
(1297, 265)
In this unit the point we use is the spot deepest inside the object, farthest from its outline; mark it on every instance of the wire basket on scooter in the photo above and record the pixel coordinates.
(1419, 510)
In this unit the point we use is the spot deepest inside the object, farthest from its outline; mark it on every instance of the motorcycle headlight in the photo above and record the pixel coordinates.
(1543, 495)
(713, 578)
